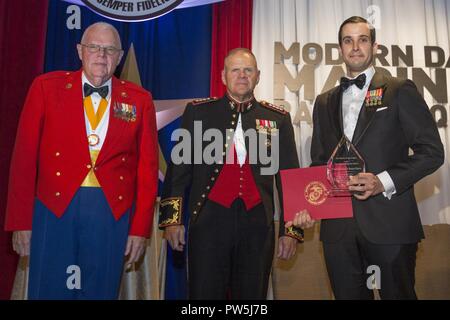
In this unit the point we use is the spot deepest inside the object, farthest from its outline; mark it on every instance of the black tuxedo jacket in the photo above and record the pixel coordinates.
(199, 178)
(383, 136)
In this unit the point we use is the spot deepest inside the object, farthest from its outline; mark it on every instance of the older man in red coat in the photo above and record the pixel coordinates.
(83, 178)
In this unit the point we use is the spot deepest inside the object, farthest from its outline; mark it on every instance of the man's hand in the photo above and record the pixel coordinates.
(286, 247)
(21, 242)
(135, 248)
(175, 236)
(302, 220)
(366, 184)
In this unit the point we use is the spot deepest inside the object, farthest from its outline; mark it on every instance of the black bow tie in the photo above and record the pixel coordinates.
(102, 91)
(360, 81)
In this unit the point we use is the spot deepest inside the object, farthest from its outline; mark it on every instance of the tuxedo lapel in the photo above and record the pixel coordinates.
(366, 113)
(335, 112)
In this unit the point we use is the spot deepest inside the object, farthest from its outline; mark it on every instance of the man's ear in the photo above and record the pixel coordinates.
(224, 79)
(79, 50)
(375, 48)
(120, 57)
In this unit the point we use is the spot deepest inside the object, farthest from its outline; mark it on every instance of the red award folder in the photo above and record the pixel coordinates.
(307, 188)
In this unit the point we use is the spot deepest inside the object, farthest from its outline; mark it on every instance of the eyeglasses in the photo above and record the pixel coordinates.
(94, 48)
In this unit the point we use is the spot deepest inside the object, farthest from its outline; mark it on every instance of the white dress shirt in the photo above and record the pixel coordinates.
(352, 100)
(102, 127)
(239, 142)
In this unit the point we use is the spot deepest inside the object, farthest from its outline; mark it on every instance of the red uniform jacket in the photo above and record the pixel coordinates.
(51, 154)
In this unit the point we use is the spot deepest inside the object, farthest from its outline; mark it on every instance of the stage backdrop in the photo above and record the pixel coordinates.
(296, 43)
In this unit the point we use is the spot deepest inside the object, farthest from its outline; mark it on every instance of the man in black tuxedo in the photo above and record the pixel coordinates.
(383, 117)
(231, 228)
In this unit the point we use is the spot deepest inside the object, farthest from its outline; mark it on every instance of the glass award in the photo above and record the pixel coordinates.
(345, 161)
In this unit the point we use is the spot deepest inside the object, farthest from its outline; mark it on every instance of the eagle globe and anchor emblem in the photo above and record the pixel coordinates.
(316, 193)
(132, 10)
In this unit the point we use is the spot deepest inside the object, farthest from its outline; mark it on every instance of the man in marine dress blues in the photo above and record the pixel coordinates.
(231, 228)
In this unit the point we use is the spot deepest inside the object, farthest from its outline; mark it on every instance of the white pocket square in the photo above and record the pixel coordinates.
(381, 109)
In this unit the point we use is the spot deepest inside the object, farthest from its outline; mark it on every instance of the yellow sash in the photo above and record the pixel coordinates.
(94, 118)
(91, 179)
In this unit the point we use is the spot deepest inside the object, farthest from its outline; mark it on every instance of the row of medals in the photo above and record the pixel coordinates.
(373, 102)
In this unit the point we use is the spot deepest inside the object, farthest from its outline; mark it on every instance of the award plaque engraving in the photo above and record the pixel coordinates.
(345, 161)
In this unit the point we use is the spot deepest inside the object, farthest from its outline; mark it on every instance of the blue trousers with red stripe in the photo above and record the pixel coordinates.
(81, 254)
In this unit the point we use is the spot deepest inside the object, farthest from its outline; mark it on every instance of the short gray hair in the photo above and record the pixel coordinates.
(236, 50)
(102, 25)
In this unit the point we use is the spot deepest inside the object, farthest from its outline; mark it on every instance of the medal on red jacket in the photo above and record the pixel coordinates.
(93, 139)
(94, 118)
